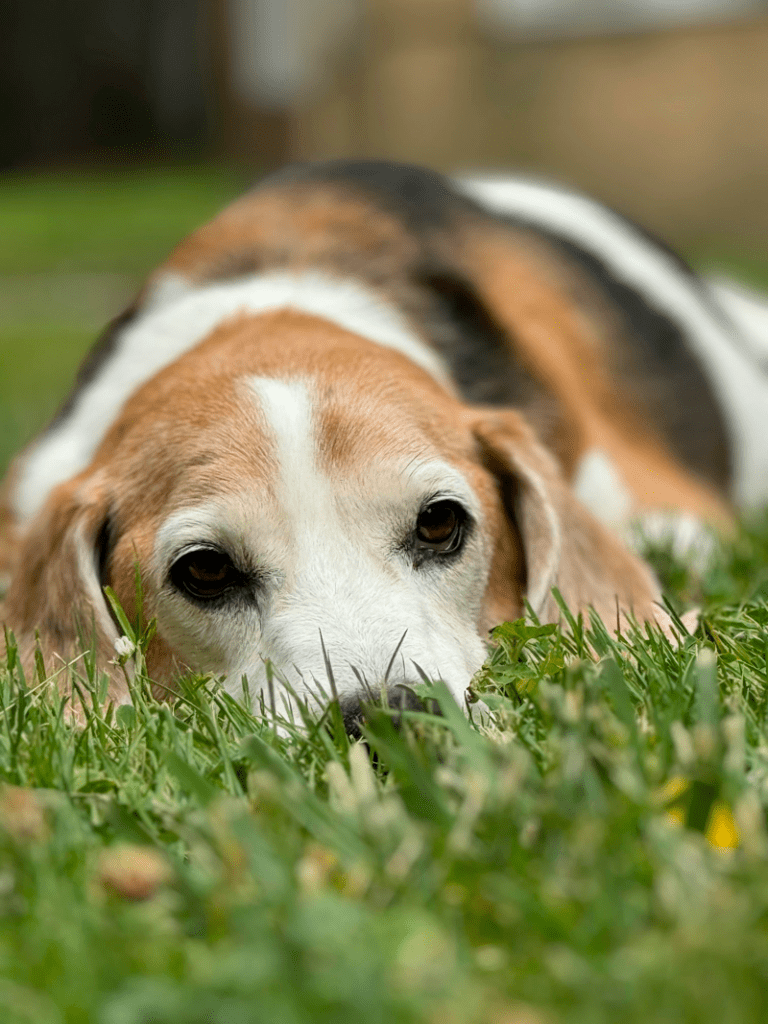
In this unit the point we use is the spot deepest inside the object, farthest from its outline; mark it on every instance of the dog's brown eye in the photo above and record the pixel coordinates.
(205, 573)
(439, 526)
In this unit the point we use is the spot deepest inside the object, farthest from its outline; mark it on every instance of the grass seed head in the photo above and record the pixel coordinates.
(22, 815)
(134, 873)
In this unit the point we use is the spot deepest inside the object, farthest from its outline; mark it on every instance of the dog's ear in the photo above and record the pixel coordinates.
(56, 589)
(563, 545)
(8, 545)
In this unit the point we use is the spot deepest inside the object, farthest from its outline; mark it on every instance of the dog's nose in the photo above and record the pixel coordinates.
(400, 698)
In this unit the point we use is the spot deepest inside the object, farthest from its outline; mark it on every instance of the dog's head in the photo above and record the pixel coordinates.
(296, 495)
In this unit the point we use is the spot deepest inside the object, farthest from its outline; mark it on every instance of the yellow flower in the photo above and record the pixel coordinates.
(673, 789)
(669, 796)
(722, 831)
(676, 814)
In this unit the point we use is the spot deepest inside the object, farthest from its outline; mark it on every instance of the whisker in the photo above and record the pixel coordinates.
(394, 655)
(328, 668)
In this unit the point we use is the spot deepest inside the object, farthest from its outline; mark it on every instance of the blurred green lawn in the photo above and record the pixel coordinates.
(124, 221)
(73, 248)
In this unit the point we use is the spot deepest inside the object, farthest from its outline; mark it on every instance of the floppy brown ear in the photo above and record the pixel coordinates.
(8, 545)
(55, 589)
(563, 545)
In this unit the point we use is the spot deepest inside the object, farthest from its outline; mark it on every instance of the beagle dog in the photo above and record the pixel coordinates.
(366, 414)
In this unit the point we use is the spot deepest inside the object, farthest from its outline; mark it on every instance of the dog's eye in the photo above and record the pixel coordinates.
(205, 573)
(440, 525)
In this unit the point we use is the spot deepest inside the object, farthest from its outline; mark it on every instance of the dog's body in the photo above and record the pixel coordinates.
(359, 405)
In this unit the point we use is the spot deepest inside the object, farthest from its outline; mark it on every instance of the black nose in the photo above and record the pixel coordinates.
(400, 698)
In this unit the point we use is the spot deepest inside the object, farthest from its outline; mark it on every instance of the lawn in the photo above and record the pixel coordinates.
(593, 849)
(73, 250)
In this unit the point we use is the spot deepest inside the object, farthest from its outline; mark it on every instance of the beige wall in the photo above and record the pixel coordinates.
(672, 127)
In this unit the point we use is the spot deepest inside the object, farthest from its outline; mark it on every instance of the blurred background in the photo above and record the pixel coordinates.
(123, 125)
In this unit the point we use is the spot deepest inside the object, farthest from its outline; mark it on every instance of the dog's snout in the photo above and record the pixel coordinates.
(400, 698)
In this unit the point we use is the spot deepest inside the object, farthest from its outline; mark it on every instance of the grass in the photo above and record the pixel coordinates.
(85, 229)
(595, 850)
(91, 221)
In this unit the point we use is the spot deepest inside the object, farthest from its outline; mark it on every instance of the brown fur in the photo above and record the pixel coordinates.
(9, 541)
(48, 604)
(297, 228)
(565, 546)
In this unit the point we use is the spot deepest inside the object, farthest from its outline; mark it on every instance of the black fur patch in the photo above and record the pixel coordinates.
(420, 198)
(653, 357)
(481, 355)
(94, 360)
(476, 348)
(106, 539)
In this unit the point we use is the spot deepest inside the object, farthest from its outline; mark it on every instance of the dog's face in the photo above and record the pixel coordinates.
(295, 495)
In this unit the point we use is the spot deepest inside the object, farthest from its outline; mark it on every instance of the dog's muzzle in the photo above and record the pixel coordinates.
(400, 698)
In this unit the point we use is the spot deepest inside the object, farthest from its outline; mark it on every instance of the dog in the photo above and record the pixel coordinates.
(366, 414)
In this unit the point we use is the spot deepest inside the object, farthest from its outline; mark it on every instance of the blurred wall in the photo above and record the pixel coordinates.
(671, 126)
(85, 79)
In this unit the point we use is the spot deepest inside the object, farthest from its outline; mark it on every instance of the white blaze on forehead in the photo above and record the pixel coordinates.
(287, 409)
(176, 318)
